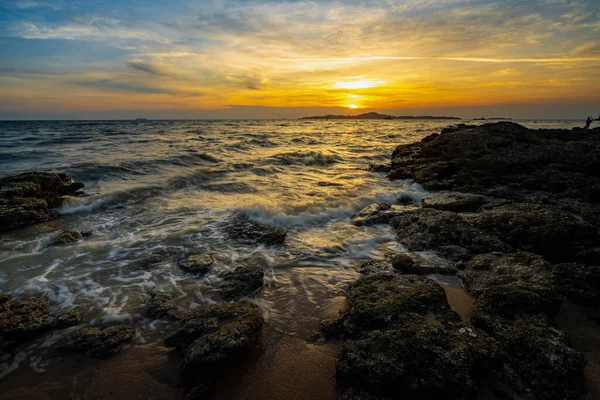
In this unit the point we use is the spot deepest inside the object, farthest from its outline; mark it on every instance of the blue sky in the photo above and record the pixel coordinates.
(223, 59)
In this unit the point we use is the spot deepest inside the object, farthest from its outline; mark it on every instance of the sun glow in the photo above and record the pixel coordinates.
(358, 84)
(352, 106)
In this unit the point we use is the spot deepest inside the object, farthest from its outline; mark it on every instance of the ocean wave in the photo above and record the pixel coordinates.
(299, 216)
(305, 158)
(97, 171)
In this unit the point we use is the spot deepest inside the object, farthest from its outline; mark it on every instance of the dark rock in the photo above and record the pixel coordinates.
(541, 358)
(552, 163)
(511, 284)
(197, 263)
(579, 282)
(371, 267)
(426, 229)
(403, 338)
(429, 138)
(589, 257)
(380, 213)
(31, 198)
(159, 305)
(382, 168)
(155, 257)
(407, 199)
(67, 237)
(413, 264)
(214, 335)
(541, 229)
(242, 281)
(455, 254)
(453, 201)
(403, 263)
(245, 231)
(332, 328)
(97, 342)
(21, 319)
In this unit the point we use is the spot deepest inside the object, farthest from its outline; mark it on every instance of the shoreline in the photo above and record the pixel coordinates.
(504, 201)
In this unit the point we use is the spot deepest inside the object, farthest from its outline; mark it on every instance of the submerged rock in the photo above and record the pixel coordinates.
(245, 231)
(453, 201)
(404, 341)
(21, 319)
(159, 305)
(31, 198)
(380, 213)
(214, 335)
(97, 342)
(197, 263)
(67, 237)
(242, 281)
(382, 168)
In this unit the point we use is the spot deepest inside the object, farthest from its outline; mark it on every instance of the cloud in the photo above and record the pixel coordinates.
(590, 49)
(148, 67)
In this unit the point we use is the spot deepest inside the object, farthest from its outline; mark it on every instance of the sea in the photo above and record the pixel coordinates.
(173, 186)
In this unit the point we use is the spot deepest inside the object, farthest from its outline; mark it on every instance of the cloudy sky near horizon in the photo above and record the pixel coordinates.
(217, 58)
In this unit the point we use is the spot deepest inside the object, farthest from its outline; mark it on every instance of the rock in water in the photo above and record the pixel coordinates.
(197, 263)
(245, 231)
(453, 201)
(67, 237)
(97, 342)
(160, 305)
(380, 213)
(214, 335)
(242, 281)
(404, 341)
(21, 319)
(31, 198)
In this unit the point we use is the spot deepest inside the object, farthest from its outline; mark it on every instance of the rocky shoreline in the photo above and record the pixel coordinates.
(513, 212)
(516, 212)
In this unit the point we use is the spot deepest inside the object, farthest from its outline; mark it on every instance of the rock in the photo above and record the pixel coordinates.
(67, 237)
(97, 342)
(402, 337)
(407, 199)
(214, 335)
(427, 229)
(403, 263)
(549, 164)
(382, 168)
(541, 229)
(453, 201)
(31, 198)
(414, 264)
(159, 305)
(371, 267)
(242, 281)
(155, 257)
(511, 284)
(579, 282)
(455, 254)
(513, 292)
(197, 263)
(542, 360)
(381, 213)
(245, 231)
(589, 257)
(21, 319)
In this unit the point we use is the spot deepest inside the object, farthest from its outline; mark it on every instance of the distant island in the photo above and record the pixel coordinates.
(374, 115)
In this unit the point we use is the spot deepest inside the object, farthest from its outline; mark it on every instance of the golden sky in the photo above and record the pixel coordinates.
(218, 58)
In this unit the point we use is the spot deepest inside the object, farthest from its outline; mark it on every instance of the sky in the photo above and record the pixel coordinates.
(116, 59)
